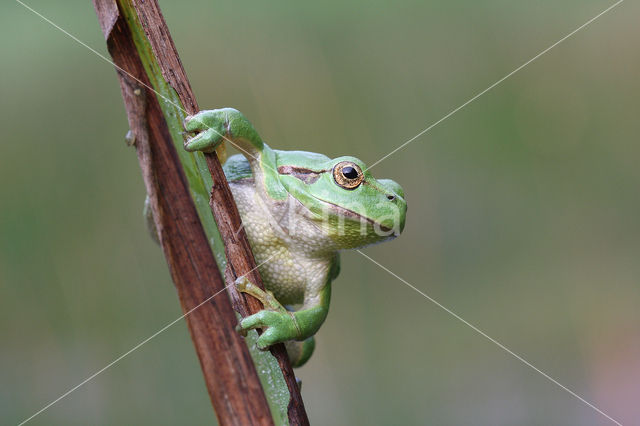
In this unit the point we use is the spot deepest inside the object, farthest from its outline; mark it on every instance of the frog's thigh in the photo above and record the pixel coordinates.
(300, 352)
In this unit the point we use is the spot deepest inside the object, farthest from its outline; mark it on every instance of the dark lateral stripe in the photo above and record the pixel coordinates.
(308, 176)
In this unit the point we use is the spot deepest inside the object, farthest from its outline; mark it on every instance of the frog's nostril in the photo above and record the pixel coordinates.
(391, 197)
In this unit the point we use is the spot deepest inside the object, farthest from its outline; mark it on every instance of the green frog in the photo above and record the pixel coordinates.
(298, 209)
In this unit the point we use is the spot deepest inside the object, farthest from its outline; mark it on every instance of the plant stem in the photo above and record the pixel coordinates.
(157, 95)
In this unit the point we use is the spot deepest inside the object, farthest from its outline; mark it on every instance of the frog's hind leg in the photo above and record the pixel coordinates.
(300, 352)
(282, 323)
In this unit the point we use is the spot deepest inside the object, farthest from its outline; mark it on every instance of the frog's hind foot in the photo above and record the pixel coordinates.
(280, 325)
(265, 296)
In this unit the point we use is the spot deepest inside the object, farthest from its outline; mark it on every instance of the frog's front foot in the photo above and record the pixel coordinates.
(281, 325)
(207, 129)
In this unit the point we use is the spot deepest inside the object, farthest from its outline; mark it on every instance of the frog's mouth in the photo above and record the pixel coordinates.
(350, 214)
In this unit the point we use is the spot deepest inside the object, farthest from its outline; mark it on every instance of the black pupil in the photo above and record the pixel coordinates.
(349, 172)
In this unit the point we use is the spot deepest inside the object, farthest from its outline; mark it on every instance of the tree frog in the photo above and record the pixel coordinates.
(298, 210)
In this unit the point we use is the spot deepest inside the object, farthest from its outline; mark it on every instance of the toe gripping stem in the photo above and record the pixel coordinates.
(268, 300)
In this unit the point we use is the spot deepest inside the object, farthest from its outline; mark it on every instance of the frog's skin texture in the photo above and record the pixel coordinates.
(298, 209)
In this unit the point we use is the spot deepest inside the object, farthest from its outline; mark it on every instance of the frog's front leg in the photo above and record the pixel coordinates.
(207, 129)
(212, 127)
(283, 325)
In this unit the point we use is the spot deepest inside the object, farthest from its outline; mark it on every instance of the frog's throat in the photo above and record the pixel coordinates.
(356, 216)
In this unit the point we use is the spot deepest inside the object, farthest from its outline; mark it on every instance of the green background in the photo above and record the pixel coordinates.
(523, 209)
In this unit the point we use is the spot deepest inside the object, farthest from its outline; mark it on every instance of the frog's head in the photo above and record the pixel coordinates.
(351, 206)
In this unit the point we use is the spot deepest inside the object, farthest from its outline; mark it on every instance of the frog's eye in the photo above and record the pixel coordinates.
(348, 175)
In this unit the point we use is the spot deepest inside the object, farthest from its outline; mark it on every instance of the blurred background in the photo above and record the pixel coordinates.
(523, 209)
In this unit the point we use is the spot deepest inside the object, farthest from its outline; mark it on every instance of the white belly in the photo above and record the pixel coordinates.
(293, 267)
